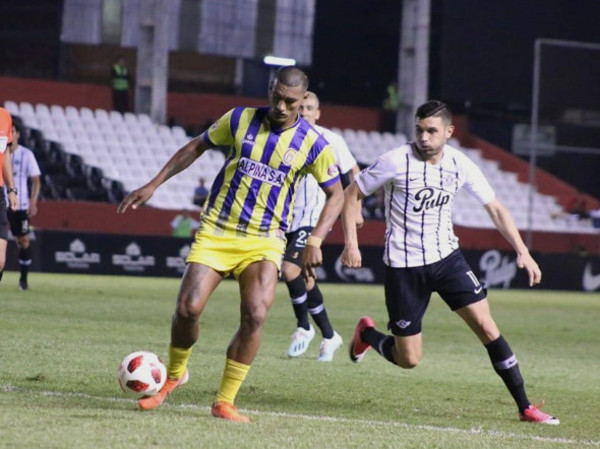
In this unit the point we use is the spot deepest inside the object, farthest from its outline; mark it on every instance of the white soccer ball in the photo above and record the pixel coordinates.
(142, 373)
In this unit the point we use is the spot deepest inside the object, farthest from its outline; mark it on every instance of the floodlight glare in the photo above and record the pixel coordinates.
(276, 60)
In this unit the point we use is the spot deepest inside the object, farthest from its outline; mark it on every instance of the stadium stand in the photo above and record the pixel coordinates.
(98, 155)
(547, 214)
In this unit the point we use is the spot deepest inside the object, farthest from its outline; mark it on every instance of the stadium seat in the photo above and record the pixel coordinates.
(101, 116)
(57, 111)
(71, 112)
(115, 117)
(12, 107)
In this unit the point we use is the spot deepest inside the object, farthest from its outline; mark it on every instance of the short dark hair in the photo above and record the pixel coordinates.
(434, 108)
(18, 126)
(292, 76)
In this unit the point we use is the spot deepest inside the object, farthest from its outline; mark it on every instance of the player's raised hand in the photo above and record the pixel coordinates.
(526, 262)
(351, 257)
(136, 198)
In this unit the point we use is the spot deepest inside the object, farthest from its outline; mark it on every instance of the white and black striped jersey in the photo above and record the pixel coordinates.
(24, 166)
(418, 201)
(310, 199)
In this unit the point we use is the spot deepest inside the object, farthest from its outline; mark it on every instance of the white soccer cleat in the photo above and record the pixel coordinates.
(329, 346)
(300, 341)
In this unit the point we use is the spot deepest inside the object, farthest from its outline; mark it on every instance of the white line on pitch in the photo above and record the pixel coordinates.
(477, 431)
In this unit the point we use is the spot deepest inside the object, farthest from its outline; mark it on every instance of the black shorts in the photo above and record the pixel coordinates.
(3, 218)
(19, 222)
(296, 242)
(408, 291)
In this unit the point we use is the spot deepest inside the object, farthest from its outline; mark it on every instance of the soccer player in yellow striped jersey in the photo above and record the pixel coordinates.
(243, 226)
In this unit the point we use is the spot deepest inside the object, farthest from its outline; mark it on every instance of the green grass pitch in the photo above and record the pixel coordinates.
(61, 343)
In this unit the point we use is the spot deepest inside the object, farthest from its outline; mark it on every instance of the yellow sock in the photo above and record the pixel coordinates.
(233, 376)
(178, 360)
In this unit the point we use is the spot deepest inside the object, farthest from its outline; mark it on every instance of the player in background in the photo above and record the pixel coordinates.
(242, 230)
(422, 255)
(6, 180)
(306, 296)
(25, 169)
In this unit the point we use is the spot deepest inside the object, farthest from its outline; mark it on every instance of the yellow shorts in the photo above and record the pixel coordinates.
(233, 254)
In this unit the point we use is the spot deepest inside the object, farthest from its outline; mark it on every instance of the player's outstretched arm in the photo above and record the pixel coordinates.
(351, 255)
(182, 159)
(506, 225)
(312, 256)
(360, 220)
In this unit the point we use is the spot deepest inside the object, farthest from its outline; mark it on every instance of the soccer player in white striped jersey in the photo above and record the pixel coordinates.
(26, 171)
(420, 180)
(305, 295)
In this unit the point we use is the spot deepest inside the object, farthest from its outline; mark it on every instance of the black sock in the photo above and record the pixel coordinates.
(316, 308)
(506, 366)
(24, 262)
(382, 343)
(1, 273)
(297, 291)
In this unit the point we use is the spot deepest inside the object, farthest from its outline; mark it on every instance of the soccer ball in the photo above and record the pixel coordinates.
(142, 373)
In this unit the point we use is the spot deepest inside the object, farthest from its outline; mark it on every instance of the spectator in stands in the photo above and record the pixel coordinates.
(6, 180)
(305, 295)
(25, 170)
(422, 254)
(242, 231)
(200, 193)
(121, 85)
(391, 103)
(184, 225)
(579, 207)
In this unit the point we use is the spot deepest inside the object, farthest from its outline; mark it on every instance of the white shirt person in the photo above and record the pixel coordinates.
(421, 252)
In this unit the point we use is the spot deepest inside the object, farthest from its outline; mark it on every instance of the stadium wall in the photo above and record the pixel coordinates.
(102, 218)
(93, 253)
(547, 183)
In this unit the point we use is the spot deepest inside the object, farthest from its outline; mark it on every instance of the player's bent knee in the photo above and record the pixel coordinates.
(407, 363)
(406, 359)
(188, 309)
(253, 319)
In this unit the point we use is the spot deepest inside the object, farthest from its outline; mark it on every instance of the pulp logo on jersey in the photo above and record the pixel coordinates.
(3, 143)
(133, 260)
(77, 257)
(426, 199)
(262, 172)
(498, 270)
(591, 282)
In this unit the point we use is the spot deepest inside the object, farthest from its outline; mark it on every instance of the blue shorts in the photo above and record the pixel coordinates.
(408, 291)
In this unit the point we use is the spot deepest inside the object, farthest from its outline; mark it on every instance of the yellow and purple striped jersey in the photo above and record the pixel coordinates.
(253, 193)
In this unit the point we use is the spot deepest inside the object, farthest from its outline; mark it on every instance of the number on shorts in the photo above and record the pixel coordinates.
(302, 236)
